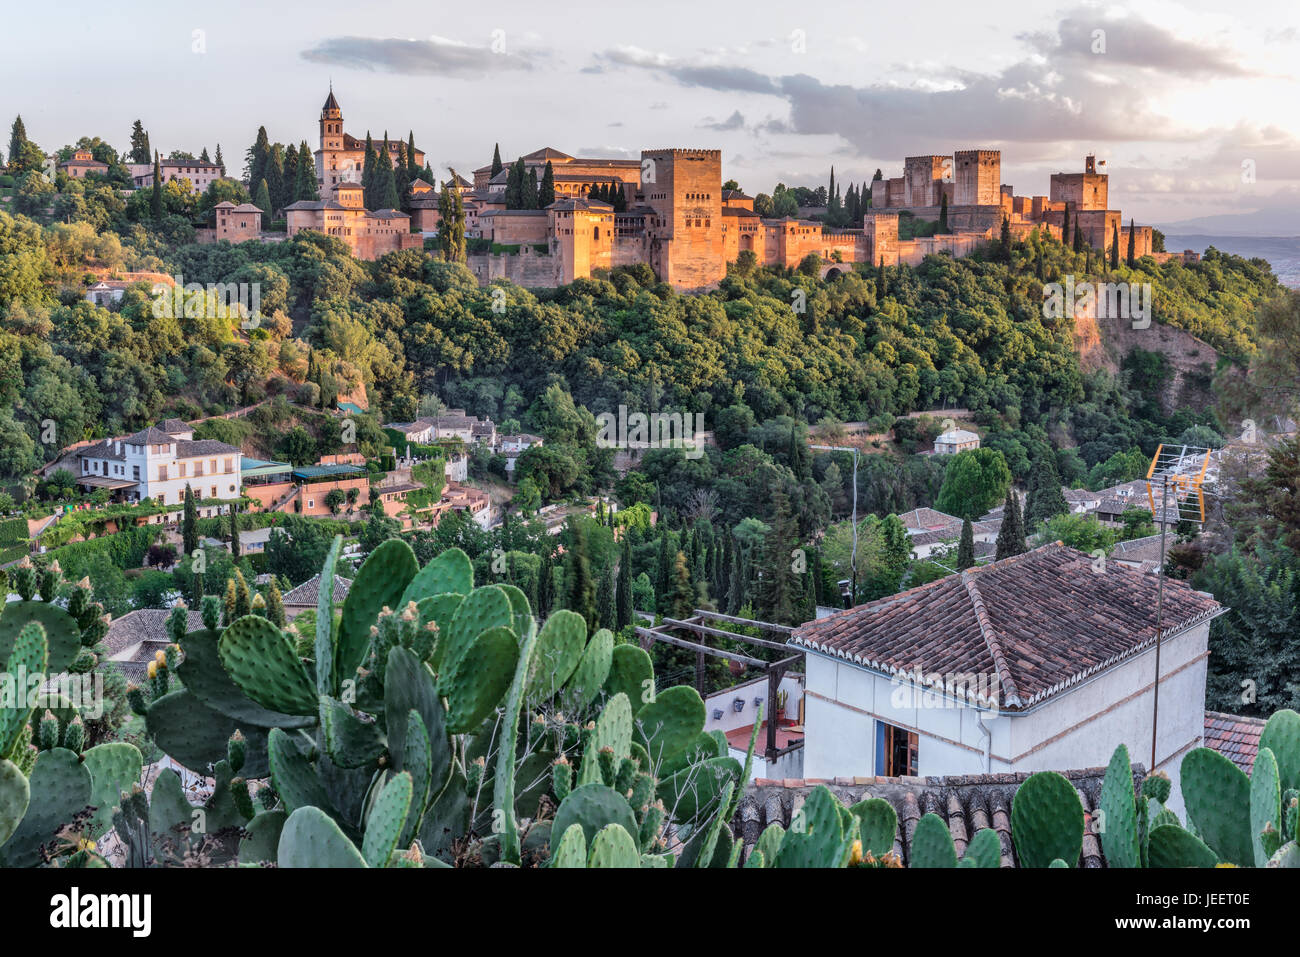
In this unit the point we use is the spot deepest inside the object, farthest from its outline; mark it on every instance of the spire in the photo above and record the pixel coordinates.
(331, 103)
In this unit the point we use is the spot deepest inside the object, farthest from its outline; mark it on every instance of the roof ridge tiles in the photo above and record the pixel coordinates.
(991, 640)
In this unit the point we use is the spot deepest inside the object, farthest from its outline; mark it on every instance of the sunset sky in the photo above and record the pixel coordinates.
(1175, 96)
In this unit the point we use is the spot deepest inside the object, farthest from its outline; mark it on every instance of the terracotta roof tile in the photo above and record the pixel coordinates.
(1037, 622)
(1236, 737)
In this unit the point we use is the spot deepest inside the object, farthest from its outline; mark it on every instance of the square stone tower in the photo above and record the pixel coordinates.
(684, 188)
(978, 177)
(922, 179)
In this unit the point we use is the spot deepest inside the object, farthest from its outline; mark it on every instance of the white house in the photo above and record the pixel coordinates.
(954, 441)
(1032, 663)
(159, 462)
(513, 446)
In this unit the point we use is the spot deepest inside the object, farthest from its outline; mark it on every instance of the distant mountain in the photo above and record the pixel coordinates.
(1281, 217)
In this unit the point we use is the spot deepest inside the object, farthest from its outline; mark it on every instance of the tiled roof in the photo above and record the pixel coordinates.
(1138, 550)
(1234, 736)
(928, 518)
(1040, 622)
(967, 803)
(309, 591)
(186, 448)
(144, 624)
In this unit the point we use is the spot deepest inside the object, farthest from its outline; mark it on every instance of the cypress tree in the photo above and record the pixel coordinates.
(682, 600)
(580, 589)
(220, 160)
(234, 531)
(736, 586)
(882, 281)
(369, 170)
(140, 151)
(18, 140)
(1132, 230)
(275, 178)
(289, 186)
(451, 222)
(1006, 240)
(966, 548)
(1114, 246)
(1065, 225)
(243, 600)
(190, 523)
(530, 190)
(385, 182)
(496, 160)
(943, 211)
(1078, 235)
(1045, 500)
(196, 590)
(275, 605)
(258, 155)
(412, 168)
(305, 188)
(1011, 536)
(606, 610)
(204, 157)
(663, 569)
(546, 588)
(228, 603)
(623, 611)
(262, 200)
(546, 192)
(156, 201)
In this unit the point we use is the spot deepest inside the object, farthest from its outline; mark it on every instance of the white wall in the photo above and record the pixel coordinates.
(1077, 728)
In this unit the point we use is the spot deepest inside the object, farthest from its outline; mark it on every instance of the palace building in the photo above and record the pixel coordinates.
(342, 157)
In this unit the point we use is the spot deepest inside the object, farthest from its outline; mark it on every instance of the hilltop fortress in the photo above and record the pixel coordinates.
(681, 222)
(668, 210)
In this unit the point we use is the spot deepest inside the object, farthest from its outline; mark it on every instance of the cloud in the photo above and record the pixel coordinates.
(435, 56)
(1058, 91)
(734, 122)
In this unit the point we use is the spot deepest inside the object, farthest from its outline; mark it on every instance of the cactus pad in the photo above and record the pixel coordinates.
(1171, 846)
(593, 806)
(985, 849)
(670, 722)
(350, 741)
(1217, 795)
(556, 654)
(614, 847)
(381, 581)
(1047, 821)
(261, 661)
(14, 796)
(932, 844)
(1282, 736)
(60, 789)
(572, 849)
(590, 675)
(386, 820)
(631, 672)
(1119, 839)
(479, 678)
(203, 674)
(113, 768)
(1265, 806)
(450, 572)
(310, 838)
(816, 837)
(877, 825)
(195, 736)
(483, 608)
(61, 631)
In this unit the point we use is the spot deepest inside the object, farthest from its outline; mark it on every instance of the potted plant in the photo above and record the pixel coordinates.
(781, 698)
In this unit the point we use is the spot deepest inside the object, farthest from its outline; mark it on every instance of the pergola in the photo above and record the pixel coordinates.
(775, 670)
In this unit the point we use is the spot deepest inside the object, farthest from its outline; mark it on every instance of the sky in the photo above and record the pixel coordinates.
(1193, 105)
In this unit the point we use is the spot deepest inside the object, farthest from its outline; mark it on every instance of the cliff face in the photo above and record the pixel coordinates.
(1104, 343)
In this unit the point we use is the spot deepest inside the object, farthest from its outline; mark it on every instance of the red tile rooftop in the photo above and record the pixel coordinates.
(738, 738)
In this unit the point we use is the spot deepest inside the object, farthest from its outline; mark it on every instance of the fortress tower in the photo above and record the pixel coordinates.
(978, 177)
(923, 179)
(684, 188)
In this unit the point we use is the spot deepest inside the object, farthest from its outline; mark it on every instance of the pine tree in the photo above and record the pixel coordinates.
(1114, 246)
(140, 151)
(262, 200)
(580, 589)
(546, 192)
(255, 160)
(204, 157)
(496, 160)
(306, 185)
(623, 611)
(220, 160)
(156, 200)
(1132, 231)
(190, 523)
(966, 548)
(275, 605)
(1011, 536)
